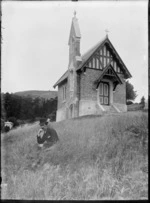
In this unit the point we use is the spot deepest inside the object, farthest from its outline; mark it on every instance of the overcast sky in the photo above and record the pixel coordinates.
(35, 50)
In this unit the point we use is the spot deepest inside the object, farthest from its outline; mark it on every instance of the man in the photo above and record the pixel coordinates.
(47, 136)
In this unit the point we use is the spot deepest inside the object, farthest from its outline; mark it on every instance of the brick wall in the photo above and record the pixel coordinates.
(87, 88)
(88, 91)
(119, 95)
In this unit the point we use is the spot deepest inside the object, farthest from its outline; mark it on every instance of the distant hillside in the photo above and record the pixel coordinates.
(37, 93)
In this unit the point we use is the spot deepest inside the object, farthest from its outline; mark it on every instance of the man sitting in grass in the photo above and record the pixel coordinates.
(47, 136)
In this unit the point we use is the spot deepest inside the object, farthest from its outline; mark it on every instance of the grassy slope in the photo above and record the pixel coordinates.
(96, 158)
(36, 93)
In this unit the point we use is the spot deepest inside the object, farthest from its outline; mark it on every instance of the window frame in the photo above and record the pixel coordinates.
(64, 93)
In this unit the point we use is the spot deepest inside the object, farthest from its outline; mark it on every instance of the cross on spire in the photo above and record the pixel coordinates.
(106, 32)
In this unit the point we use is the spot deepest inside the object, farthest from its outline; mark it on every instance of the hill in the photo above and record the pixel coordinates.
(97, 158)
(37, 93)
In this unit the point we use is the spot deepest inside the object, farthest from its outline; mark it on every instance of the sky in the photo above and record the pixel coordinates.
(35, 51)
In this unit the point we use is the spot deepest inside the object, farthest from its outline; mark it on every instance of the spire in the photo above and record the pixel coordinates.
(74, 40)
(75, 30)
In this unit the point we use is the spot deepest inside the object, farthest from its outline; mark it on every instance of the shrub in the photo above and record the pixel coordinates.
(129, 102)
(6, 129)
(14, 121)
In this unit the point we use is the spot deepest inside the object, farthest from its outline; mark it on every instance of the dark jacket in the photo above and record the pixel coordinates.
(50, 136)
(40, 140)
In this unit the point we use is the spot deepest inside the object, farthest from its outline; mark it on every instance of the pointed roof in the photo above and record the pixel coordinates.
(85, 57)
(90, 52)
(63, 77)
(109, 66)
(74, 28)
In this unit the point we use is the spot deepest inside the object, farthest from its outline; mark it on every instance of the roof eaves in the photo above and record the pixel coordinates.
(62, 78)
(105, 70)
(129, 74)
(86, 56)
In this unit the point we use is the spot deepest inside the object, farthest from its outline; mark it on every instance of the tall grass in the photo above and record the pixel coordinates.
(101, 157)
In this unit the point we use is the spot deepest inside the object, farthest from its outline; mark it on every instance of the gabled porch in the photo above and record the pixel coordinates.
(106, 85)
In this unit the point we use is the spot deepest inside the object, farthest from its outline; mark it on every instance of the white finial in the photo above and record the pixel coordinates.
(106, 32)
(75, 13)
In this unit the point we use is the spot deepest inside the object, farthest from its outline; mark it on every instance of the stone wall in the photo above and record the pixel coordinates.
(87, 88)
(119, 95)
(87, 107)
(61, 114)
(61, 103)
(88, 96)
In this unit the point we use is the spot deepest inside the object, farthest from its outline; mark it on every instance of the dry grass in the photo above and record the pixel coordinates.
(96, 158)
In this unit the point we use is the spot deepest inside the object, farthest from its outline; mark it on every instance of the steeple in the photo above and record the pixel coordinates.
(74, 40)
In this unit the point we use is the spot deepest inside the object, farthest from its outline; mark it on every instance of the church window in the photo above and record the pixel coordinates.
(104, 93)
(64, 92)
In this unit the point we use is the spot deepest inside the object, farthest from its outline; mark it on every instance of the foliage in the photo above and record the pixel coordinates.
(135, 107)
(6, 129)
(97, 158)
(129, 102)
(14, 121)
(130, 92)
(23, 108)
(142, 101)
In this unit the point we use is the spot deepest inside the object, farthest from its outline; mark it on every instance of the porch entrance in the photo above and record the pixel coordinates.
(104, 93)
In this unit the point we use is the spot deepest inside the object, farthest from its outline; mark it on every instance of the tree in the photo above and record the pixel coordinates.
(143, 101)
(130, 92)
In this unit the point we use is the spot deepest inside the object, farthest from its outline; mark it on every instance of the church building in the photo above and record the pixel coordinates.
(93, 83)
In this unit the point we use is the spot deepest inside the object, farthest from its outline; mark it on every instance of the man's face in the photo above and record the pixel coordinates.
(43, 126)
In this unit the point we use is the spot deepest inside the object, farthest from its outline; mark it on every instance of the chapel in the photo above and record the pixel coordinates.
(95, 82)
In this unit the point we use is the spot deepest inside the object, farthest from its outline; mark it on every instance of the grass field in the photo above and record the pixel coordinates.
(97, 158)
